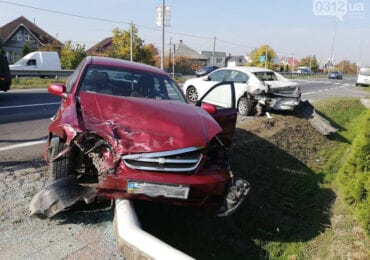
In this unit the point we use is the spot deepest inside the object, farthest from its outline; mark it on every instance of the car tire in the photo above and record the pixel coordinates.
(245, 106)
(192, 94)
(64, 165)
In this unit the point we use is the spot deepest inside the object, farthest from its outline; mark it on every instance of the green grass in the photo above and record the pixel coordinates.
(26, 83)
(349, 159)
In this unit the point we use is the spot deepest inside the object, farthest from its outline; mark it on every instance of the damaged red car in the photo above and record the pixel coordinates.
(129, 130)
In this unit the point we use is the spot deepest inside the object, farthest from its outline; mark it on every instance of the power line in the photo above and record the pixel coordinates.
(127, 23)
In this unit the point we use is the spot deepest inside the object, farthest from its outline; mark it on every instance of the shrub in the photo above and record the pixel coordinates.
(354, 176)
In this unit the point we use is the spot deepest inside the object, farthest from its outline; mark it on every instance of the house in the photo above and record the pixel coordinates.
(182, 50)
(237, 60)
(103, 46)
(20, 32)
(187, 60)
(291, 61)
(216, 58)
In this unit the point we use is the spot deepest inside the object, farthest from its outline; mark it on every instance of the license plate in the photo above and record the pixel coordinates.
(158, 189)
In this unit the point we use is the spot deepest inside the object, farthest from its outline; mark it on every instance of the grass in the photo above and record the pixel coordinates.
(26, 83)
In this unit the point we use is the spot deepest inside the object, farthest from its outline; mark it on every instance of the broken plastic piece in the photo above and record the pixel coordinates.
(60, 195)
(234, 198)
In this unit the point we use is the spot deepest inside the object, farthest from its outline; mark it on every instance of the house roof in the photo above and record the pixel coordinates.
(183, 50)
(289, 60)
(8, 30)
(100, 46)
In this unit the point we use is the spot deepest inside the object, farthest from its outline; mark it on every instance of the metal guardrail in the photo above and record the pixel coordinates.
(41, 73)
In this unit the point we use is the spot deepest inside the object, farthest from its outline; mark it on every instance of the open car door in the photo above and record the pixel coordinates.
(219, 101)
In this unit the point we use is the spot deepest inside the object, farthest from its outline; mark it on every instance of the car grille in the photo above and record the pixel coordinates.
(181, 160)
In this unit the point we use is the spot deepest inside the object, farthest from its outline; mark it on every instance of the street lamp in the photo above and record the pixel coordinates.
(330, 63)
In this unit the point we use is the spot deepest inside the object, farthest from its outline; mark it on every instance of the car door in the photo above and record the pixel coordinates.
(223, 112)
(210, 80)
(240, 80)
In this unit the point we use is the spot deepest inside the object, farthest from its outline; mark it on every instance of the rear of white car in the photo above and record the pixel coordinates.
(254, 88)
(363, 77)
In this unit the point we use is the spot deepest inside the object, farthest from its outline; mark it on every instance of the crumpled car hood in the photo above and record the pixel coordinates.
(136, 125)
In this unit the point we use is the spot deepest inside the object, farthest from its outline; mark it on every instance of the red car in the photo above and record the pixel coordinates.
(128, 128)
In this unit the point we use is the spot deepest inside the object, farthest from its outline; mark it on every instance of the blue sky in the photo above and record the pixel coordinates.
(290, 27)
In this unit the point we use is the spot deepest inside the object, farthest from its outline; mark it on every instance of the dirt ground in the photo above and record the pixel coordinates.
(84, 234)
(275, 155)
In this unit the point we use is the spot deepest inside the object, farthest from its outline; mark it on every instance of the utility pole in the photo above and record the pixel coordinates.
(266, 59)
(169, 54)
(213, 52)
(173, 60)
(162, 52)
(131, 40)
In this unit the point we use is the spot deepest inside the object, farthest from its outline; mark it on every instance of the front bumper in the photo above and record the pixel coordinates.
(207, 188)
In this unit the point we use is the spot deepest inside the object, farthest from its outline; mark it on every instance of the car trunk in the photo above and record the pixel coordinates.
(281, 87)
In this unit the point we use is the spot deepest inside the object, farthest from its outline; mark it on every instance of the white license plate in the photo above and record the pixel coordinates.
(158, 189)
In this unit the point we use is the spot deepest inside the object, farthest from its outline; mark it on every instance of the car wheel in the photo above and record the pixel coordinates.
(192, 94)
(245, 106)
(63, 166)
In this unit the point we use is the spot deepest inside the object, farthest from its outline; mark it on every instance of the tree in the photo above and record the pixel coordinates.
(26, 49)
(51, 47)
(71, 55)
(346, 67)
(311, 62)
(257, 53)
(140, 52)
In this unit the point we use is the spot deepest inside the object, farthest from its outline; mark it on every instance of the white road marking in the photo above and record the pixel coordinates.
(308, 93)
(31, 105)
(15, 146)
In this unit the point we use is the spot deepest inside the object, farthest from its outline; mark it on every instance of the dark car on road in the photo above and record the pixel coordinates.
(129, 126)
(5, 77)
(205, 70)
(335, 75)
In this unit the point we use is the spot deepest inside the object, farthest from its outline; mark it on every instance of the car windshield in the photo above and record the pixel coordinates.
(123, 82)
(365, 72)
(266, 75)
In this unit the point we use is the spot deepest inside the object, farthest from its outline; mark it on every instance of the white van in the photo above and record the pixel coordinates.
(38, 60)
(363, 77)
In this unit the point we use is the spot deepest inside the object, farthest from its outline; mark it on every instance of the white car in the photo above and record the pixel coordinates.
(363, 77)
(254, 88)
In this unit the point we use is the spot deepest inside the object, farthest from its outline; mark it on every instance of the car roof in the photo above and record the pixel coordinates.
(248, 69)
(107, 61)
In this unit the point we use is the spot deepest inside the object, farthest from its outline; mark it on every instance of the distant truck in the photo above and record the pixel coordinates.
(43, 62)
(5, 77)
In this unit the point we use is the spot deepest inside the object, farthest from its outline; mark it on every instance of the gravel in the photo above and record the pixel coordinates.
(81, 233)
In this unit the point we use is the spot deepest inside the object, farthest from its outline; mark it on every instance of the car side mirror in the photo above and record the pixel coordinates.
(58, 90)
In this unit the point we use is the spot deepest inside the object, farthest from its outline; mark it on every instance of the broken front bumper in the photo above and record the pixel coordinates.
(210, 190)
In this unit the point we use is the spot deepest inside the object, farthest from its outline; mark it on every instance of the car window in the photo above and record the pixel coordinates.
(217, 75)
(365, 72)
(123, 82)
(72, 79)
(236, 76)
(221, 96)
(266, 75)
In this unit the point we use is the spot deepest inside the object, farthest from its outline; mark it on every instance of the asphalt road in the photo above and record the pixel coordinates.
(25, 115)
(24, 118)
